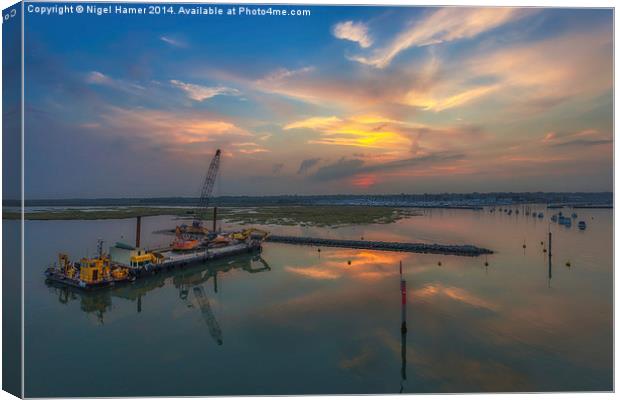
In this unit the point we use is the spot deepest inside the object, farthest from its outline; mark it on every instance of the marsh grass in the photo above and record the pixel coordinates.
(286, 215)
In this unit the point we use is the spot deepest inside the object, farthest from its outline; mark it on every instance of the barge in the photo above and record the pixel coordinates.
(125, 263)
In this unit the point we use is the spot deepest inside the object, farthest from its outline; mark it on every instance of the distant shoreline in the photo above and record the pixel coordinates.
(444, 200)
(312, 215)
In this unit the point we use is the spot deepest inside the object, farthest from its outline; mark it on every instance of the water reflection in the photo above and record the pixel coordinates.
(357, 264)
(190, 283)
(472, 326)
(403, 357)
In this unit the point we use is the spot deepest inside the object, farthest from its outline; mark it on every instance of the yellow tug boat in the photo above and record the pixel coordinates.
(88, 272)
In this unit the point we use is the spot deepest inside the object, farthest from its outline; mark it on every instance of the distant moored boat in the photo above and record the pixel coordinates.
(582, 225)
(565, 221)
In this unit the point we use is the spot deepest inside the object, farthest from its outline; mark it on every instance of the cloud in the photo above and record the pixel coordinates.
(444, 25)
(583, 138)
(100, 79)
(550, 136)
(173, 42)
(524, 78)
(249, 148)
(537, 76)
(282, 73)
(282, 81)
(345, 168)
(381, 89)
(313, 123)
(201, 93)
(96, 77)
(182, 133)
(391, 137)
(583, 142)
(340, 169)
(353, 31)
(359, 131)
(307, 164)
(455, 100)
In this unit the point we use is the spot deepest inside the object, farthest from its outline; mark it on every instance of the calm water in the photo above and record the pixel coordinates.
(296, 321)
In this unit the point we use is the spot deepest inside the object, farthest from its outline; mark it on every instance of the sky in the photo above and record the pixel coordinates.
(347, 100)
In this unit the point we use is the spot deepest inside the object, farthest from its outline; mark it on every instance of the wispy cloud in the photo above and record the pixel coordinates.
(443, 25)
(583, 138)
(353, 31)
(454, 100)
(100, 79)
(583, 142)
(201, 93)
(313, 123)
(173, 42)
(183, 133)
(250, 148)
(540, 75)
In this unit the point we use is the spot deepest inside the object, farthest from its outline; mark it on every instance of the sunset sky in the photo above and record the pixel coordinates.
(347, 100)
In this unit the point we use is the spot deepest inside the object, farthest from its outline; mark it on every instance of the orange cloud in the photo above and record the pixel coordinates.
(313, 123)
(545, 73)
(180, 133)
(359, 131)
(439, 104)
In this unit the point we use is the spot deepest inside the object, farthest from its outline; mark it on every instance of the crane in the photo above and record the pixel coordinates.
(185, 239)
(207, 189)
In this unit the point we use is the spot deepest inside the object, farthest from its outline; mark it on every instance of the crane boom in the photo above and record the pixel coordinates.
(207, 187)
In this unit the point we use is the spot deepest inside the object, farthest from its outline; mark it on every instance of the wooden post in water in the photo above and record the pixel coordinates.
(403, 306)
(138, 221)
(549, 244)
(403, 329)
(549, 279)
(214, 219)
